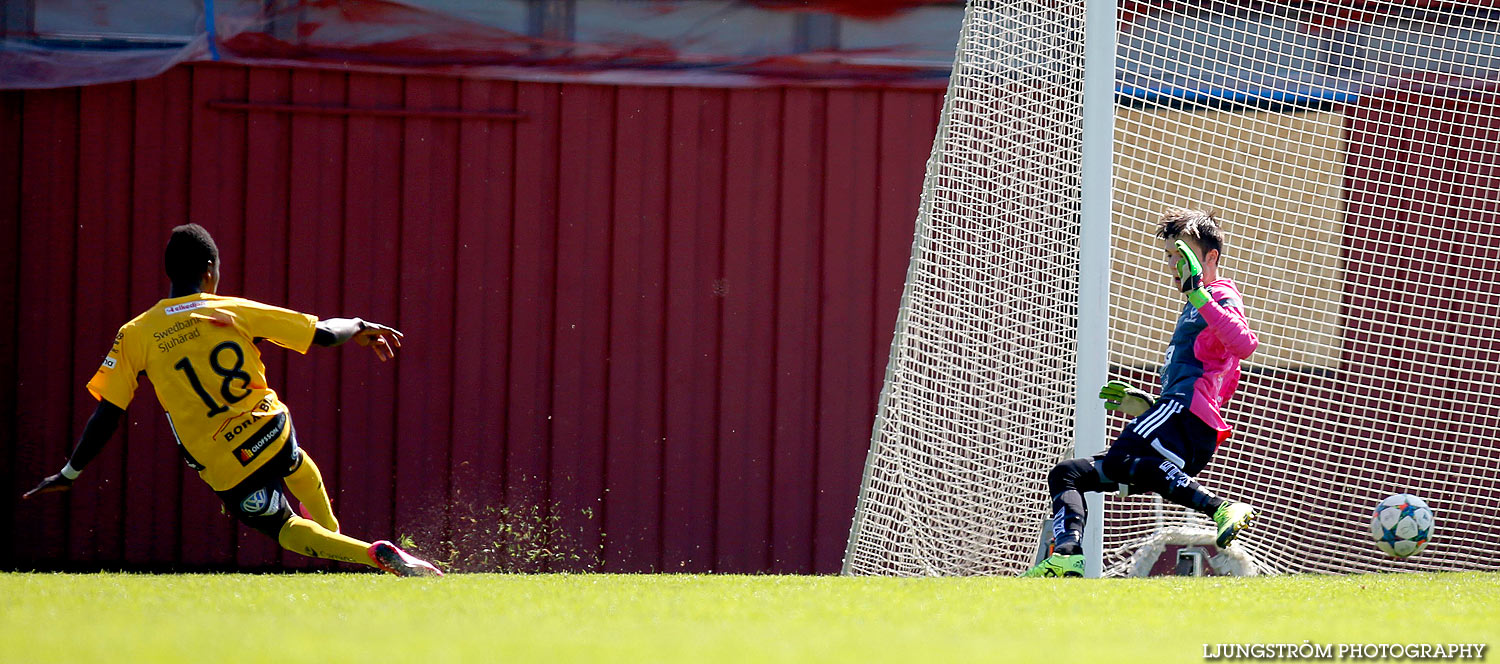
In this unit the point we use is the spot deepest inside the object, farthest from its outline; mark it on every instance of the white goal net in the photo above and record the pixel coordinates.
(1352, 152)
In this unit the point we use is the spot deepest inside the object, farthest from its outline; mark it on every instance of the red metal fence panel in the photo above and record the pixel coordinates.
(645, 326)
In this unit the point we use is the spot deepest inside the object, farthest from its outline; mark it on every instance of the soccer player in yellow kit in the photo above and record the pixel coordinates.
(198, 349)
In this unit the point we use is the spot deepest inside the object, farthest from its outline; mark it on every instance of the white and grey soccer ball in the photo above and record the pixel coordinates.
(1402, 525)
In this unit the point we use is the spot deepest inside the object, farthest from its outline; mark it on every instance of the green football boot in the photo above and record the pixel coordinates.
(1232, 518)
(1057, 565)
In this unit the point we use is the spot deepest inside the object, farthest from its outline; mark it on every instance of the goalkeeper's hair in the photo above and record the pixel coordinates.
(1197, 224)
(189, 252)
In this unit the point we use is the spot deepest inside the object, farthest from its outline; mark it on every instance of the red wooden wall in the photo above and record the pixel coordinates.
(651, 321)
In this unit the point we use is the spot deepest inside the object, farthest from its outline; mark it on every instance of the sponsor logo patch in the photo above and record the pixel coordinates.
(255, 503)
(260, 440)
(185, 306)
(109, 363)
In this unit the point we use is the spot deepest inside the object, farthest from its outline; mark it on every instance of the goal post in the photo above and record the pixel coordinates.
(1352, 151)
(1095, 193)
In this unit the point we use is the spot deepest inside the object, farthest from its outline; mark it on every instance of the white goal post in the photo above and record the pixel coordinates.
(1352, 152)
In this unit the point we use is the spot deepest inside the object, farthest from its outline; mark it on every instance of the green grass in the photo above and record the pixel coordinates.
(678, 618)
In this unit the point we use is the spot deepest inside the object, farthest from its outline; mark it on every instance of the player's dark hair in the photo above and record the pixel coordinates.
(1196, 224)
(189, 252)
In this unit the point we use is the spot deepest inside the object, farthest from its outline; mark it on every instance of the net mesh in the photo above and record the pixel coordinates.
(1350, 151)
(977, 396)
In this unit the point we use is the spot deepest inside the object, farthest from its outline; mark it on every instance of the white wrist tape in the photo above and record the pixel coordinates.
(69, 471)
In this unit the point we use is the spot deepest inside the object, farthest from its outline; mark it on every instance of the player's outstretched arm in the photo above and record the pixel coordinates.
(96, 433)
(380, 338)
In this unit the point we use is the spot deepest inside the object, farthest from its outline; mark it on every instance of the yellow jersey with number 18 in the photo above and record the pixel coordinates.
(199, 352)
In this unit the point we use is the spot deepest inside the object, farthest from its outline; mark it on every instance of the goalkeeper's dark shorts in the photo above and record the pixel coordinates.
(258, 501)
(1168, 431)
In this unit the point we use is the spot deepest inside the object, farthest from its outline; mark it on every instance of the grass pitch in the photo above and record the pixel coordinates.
(366, 618)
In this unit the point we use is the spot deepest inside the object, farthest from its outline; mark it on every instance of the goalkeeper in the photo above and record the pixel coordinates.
(1172, 437)
(198, 349)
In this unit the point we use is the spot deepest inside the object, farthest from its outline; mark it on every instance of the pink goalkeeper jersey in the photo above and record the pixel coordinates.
(1201, 369)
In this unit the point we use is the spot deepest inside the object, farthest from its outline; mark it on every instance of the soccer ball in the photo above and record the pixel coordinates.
(1402, 525)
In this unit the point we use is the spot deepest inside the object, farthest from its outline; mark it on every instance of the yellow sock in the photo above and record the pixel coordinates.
(305, 537)
(306, 484)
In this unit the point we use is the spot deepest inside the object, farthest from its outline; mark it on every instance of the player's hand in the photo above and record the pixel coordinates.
(1189, 270)
(383, 340)
(1190, 273)
(52, 484)
(1122, 396)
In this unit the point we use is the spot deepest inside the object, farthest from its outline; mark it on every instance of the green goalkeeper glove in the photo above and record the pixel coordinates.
(1122, 396)
(1191, 273)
